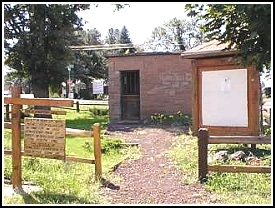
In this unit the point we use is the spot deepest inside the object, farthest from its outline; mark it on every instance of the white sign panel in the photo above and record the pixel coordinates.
(98, 87)
(224, 98)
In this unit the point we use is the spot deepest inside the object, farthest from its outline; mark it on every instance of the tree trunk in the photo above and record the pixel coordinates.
(261, 107)
(38, 93)
(39, 76)
(41, 90)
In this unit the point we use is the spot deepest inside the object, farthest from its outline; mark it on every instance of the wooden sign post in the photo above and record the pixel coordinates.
(97, 151)
(17, 103)
(16, 142)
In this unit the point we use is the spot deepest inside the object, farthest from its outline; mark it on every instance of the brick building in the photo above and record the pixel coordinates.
(146, 83)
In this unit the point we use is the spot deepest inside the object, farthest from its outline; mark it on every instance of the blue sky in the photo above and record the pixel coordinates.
(140, 18)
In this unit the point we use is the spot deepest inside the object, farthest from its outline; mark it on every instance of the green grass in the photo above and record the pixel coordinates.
(64, 182)
(61, 182)
(84, 119)
(184, 152)
(229, 188)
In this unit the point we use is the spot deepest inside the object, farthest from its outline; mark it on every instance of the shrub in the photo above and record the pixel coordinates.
(107, 145)
(99, 111)
(176, 119)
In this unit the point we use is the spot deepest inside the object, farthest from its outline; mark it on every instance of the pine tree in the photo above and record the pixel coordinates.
(124, 38)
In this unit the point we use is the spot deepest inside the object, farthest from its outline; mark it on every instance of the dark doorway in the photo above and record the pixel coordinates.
(130, 95)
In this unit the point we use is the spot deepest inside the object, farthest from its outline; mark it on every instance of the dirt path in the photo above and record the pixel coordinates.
(153, 178)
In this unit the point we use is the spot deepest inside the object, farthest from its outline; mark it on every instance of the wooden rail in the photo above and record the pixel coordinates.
(204, 139)
(69, 131)
(38, 101)
(239, 168)
(68, 158)
(239, 140)
(16, 126)
(57, 112)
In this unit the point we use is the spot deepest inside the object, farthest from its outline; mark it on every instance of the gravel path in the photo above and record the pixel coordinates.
(153, 178)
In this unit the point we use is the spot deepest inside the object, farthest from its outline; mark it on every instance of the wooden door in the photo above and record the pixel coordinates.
(130, 95)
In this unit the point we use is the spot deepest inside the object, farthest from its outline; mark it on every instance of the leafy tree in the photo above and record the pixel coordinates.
(185, 33)
(246, 27)
(118, 37)
(175, 35)
(89, 64)
(37, 37)
(41, 35)
(17, 78)
(120, 6)
(92, 37)
(112, 38)
(160, 39)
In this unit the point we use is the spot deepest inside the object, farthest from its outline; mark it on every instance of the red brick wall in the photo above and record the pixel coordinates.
(165, 83)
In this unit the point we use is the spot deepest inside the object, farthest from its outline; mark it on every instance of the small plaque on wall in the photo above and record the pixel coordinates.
(44, 138)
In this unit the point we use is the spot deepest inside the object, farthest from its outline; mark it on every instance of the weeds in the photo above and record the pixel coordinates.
(229, 188)
(176, 119)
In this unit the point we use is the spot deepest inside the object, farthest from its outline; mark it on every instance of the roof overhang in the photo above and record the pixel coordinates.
(207, 54)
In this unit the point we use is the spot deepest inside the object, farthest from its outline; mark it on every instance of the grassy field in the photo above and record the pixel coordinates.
(62, 182)
(229, 188)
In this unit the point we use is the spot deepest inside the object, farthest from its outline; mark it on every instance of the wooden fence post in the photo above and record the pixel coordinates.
(16, 142)
(77, 107)
(202, 153)
(269, 116)
(7, 112)
(97, 151)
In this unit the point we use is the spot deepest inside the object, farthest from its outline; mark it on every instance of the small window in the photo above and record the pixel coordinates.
(130, 82)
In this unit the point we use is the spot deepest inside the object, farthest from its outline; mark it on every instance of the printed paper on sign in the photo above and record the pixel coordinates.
(225, 85)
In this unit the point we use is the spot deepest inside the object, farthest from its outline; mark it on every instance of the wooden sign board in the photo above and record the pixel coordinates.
(225, 97)
(44, 138)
